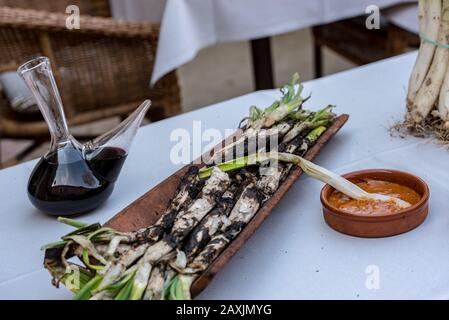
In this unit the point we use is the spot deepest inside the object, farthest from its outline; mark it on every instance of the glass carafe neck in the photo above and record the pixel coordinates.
(39, 77)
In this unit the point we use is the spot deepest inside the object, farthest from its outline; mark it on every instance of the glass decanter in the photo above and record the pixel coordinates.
(74, 178)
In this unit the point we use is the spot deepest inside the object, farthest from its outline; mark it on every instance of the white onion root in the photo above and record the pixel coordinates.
(429, 16)
(429, 92)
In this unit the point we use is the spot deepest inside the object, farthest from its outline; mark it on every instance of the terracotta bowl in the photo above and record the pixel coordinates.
(383, 225)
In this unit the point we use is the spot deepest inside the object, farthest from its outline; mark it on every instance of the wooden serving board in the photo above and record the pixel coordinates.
(146, 210)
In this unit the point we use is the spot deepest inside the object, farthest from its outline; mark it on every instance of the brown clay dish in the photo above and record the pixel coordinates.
(379, 225)
(147, 209)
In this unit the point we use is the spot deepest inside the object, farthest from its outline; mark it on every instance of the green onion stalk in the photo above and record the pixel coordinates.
(99, 247)
(320, 118)
(289, 105)
(147, 255)
(290, 102)
(311, 121)
(252, 197)
(336, 181)
(78, 242)
(282, 132)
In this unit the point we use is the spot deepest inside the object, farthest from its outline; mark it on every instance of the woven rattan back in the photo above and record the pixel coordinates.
(102, 69)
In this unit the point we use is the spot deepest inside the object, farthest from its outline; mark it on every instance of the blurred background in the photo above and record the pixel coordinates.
(197, 53)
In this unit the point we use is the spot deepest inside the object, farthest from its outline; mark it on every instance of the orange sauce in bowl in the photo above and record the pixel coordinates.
(374, 207)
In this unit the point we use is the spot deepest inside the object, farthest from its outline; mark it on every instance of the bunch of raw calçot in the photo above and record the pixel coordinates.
(210, 208)
(428, 91)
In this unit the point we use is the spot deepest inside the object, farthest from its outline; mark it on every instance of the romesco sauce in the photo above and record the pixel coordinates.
(374, 207)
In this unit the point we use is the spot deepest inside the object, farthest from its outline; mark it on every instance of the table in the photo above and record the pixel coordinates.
(190, 25)
(294, 255)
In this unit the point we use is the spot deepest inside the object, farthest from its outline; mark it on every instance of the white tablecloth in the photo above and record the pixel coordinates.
(294, 254)
(190, 25)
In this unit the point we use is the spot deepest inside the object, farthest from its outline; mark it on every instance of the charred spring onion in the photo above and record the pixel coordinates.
(210, 208)
(290, 103)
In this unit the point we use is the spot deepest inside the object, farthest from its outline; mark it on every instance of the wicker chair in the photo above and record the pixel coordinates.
(102, 69)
